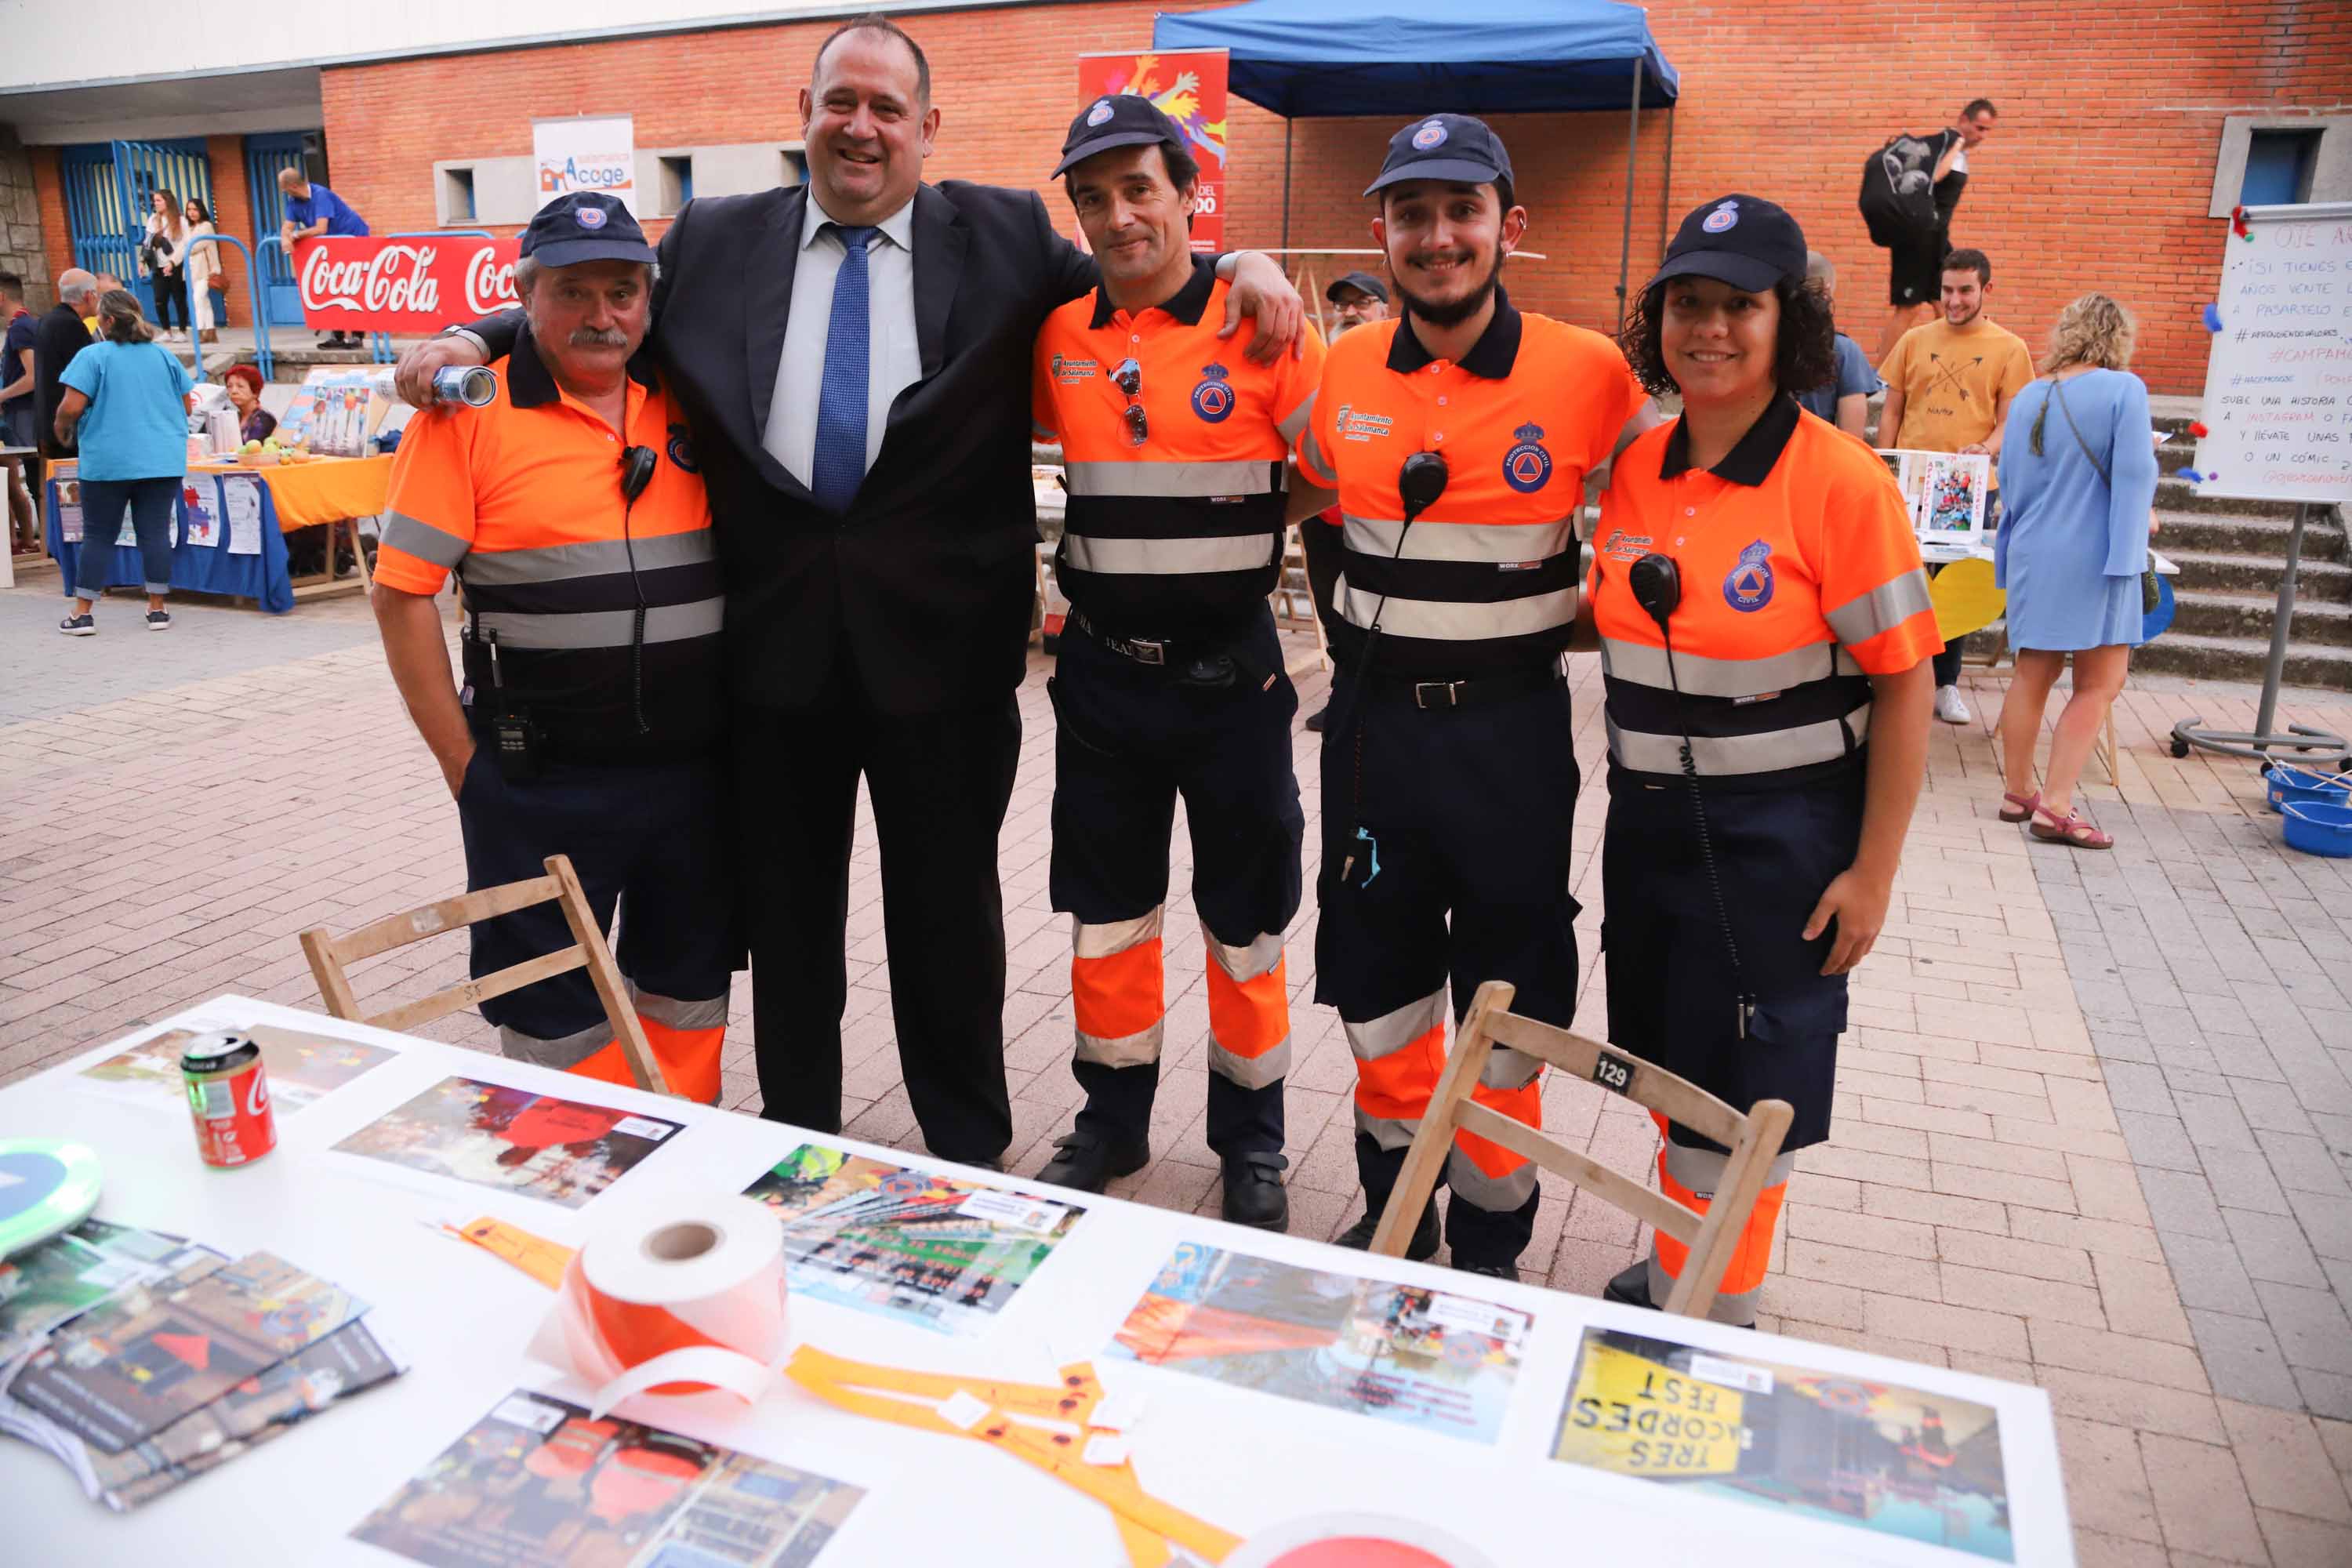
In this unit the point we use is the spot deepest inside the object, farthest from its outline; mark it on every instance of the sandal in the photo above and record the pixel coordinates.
(2019, 806)
(2070, 830)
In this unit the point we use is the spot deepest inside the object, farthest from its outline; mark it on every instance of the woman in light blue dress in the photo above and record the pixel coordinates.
(2077, 483)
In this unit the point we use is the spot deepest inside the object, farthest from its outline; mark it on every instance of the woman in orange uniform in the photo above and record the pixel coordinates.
(1764, 627)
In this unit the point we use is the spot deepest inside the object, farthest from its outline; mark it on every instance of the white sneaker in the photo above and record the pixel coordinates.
(1950, 707)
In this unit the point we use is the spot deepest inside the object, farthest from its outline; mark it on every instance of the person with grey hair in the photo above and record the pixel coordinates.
(1845, 401)
(56, 340)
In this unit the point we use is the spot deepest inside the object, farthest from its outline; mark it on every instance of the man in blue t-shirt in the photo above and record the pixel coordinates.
(1844, 402)
(16, 428)
(312, 210)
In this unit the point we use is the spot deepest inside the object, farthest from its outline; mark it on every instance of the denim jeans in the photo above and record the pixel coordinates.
(154, 513)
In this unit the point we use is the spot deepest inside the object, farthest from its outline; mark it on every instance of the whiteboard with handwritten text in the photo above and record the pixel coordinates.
(2278, 388)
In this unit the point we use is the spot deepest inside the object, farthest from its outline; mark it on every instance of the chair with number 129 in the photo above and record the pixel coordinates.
(1754, 1140)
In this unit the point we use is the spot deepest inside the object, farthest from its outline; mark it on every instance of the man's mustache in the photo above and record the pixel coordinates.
(599, 338)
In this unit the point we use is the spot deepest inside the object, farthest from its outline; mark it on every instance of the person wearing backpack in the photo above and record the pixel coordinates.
(1915, 253)
(2077, 481)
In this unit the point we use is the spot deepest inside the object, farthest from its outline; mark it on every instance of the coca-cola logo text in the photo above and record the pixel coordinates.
(403, 285)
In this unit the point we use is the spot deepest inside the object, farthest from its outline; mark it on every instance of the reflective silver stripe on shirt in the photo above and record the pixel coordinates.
(1701, 676)
(423, 540)
(604, 629)
(1314, 455)
(1882, 609)
(1289, 428)
(1391, 1031)
(594, 558)
(1447, 620)
(1723, 755)
(1502, 543)
(1168, 557)
(1249, 477)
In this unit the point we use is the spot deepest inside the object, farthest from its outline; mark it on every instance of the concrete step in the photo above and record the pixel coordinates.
(2176, 495)
(2326, 582)
(2249, 615)
(2242, 659)
(2231, 533)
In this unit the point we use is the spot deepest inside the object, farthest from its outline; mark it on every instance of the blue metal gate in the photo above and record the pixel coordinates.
(265, 156)
(109, 189)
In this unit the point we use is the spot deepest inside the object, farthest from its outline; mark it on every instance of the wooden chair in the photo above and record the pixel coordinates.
(1754, 1140)
(328, 954)
(1293, 589)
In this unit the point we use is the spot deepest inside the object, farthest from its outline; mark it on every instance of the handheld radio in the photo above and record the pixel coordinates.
(1419, 482)
(1657, 587)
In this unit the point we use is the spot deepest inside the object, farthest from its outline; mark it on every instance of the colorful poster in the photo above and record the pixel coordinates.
(303, 1068)
(417, 285)
(70, 510)
(587, 152)
(154, 1351)
(197, 503)
(1946, 491)
(930, 1250)
(1403, 1354)
(1875, 1456)
(80, 1268)
(537, 1484)
(512, 1140)
(1190, 89)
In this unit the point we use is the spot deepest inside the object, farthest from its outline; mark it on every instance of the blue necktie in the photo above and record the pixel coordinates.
(838, 467)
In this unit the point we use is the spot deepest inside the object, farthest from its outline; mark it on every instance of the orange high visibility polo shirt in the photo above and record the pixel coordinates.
(1800, 579)
(1174, 521)
(522, 498)
(1486, 578)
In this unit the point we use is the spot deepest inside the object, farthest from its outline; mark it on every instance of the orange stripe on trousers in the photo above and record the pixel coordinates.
(1120, 994)
(1523, 1105)
(688, 1058)
(1751, 1260)
(1248, 1017)
(1397, 1087)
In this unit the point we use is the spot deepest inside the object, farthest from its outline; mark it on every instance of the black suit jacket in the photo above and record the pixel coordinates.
(917, 599)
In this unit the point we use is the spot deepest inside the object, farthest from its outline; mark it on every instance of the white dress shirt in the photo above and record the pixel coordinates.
(894, 358)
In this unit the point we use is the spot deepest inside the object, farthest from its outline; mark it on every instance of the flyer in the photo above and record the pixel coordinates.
(512, 1140)
(53, 1281)
(196, 502)
(934, 1251)
(152, 1353)
(303, 1068)
(241, 499)
(1403, 1354)
(1873, 1455)
(537, 1484)
(70, 510)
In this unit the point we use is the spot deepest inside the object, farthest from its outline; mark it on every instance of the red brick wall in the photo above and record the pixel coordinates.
(57, 241)
(2098, 176)
(233, 215)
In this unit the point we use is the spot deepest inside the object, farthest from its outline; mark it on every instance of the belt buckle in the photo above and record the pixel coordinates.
(1451, 689)
(1147, 650)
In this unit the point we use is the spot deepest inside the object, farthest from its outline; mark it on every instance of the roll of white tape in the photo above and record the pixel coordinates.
(678, 1297)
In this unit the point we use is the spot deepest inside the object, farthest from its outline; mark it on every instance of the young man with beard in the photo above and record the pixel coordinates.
(1449, 771)
(1170, 680)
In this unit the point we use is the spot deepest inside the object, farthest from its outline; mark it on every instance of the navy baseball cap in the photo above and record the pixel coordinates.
(1445, 147)
(1363, 282)
(1742, 240)
(1118, 120)
(586, 225)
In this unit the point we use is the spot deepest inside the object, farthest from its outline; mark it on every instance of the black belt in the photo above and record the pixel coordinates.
(1172, 652)
(1470, 691)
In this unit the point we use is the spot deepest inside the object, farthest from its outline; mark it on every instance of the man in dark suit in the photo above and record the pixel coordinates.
(854, 359)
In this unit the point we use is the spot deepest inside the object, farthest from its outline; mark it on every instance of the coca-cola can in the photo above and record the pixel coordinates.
(228, 1096)
(475, 386)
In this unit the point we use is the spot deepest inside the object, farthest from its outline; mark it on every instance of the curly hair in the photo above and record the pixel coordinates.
(2094, 330)
(118, 319)
(1805, 355)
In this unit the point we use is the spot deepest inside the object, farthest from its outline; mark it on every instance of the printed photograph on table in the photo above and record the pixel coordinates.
(1403, 1354)
(1946, 491)
(511, 1140)
(1876, 1455)
(147, 1356)
(51, 1282)
(930, 1250)
(537, 1484)
(303, 1068)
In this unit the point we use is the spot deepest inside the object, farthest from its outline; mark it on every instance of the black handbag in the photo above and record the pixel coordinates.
(2148, 592)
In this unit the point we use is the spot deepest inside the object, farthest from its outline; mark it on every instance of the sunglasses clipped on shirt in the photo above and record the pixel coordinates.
(1129, 379)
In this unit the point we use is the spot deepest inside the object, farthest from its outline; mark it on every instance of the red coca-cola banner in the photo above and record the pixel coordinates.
(410, 287)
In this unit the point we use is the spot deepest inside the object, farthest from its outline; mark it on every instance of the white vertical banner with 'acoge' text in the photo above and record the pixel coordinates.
(587, 152)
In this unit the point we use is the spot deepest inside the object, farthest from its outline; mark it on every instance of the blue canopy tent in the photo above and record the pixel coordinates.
(1316, 59)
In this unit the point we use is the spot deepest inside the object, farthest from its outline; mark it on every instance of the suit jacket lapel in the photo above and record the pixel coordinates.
(767, 270)
(940, 241)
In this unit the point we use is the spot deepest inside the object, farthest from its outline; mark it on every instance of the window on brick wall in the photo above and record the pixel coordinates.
(458, 195)
(2281, 159)
(2279, 164)
(676, 181)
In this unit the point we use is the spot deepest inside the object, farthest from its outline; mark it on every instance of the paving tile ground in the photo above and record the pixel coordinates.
(2092, 1128)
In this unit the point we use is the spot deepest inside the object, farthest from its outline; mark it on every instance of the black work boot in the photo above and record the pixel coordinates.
(1088, 1161)
(1421, 1248)
(1631, 1287)
(1253, 1190)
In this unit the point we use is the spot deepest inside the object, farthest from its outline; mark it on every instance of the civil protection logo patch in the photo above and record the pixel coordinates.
(1526, 467)
(1721, 218)
(1748, 587)
(681, 449)
(1213, 400)
(588, 216)
(1099, 112)
(1430, 133)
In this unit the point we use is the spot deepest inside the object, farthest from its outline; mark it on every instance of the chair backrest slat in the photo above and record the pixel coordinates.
(473, 993)
(1652, 1209)
(432, 920)
(1653, 1088)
